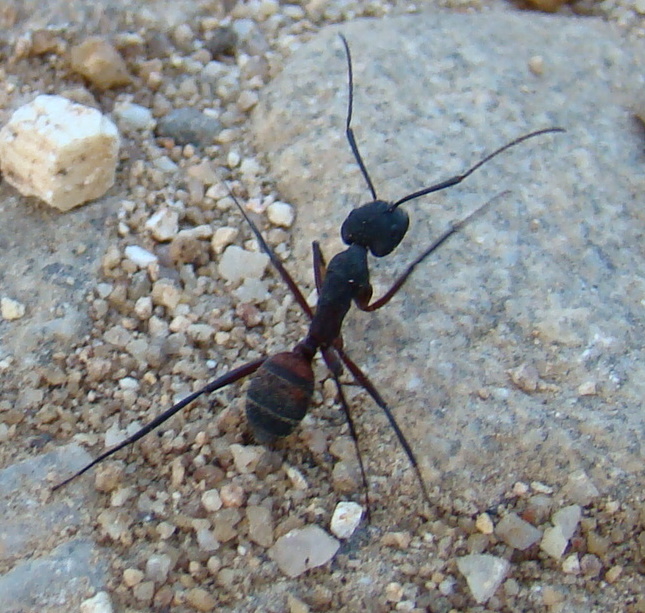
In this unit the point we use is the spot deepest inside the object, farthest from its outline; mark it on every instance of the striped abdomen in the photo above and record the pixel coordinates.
(279, 395)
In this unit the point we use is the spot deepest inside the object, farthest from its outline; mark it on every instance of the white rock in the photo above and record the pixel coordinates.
(59, 151)
(253, 291)
(164, 224)
(345, 520)
(11, 309)
(100, 603)
(484, 574)
(133, 116)
(553, 542)
(222, 238)
(571, 565)
(516, 532)
(567, 519)
(237, 264)
(211, 500)
(246, 457)
(280, 214)
(302, 549)
(140, 256)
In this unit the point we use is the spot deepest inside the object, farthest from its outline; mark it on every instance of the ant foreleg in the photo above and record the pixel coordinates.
(230, 377)
(320, 266)
(368, 386)
(452, 229)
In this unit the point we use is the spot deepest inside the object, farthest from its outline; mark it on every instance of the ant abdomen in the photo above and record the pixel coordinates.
(279, 395)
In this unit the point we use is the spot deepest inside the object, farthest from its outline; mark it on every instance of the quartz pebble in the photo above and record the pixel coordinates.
(260, 525)
(100, 603)
(211, 500)
(164, 224)
(346, 518)
(139, 256)
(59, 151)
(280, 214)
(237, 264)
(246, 457)
(302, 549)
(484, 573)
(200, 599)
(516, 532)
(556, 538)
(11, 309)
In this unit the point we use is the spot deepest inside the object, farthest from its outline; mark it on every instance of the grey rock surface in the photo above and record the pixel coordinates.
(550, 280)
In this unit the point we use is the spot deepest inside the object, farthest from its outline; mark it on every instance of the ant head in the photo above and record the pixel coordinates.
(377, 226)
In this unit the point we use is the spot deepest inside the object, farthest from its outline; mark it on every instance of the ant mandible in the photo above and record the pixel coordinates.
(280, 393)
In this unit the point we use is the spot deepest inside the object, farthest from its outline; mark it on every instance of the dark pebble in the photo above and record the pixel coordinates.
(189, 126)
(222, 42)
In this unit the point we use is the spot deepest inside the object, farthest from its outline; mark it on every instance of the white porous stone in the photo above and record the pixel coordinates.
(164, 224)
(484, 574)
(345, 520)
(280, 214)
(59, 151)
(302, 549)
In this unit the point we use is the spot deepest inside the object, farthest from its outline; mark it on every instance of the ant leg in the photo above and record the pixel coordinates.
(275, 260)
(452, 229)
(459, 178)
(230, 377)
(335, 369)
(368, 386)
(320, 266)
(348, 126)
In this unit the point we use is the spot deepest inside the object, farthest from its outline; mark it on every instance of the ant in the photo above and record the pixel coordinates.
(281, 390)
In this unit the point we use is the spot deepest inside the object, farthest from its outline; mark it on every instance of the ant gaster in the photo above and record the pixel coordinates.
(281, 390)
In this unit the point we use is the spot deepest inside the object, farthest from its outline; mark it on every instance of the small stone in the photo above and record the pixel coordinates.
(211, 501)
(246, 457)
(553, 542)
(580, 489)
(100, 603)
(187, 249)
(132, 577)
(280, 214)
(200, 599)
(108, 476)
(100, 63)
(59, 151)
(189, 126)
(222, 238)
(536, 65)
(232, 495)
(394, 592)
(484, 523)
(260, 525)
(346, 518)
(140, 256)
(484, 573)
(158, 566)
(165, 293)
(516, 532)
(571, 565)
(297, 479)
(525, 377)
(11, 309)
(206, 540)
(399, 540)
(237, 264)
(302, 549)
(551, 597)
(588, 388)
(133, 117)
(346, 477)
(611, 576)
(296, 605)
(164, 224)
(567, 519)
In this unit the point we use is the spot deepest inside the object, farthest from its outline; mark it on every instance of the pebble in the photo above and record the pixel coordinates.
(133, 117)
(62, 152)
(565, 522)
(222, 41)
(399, 540)
(237, 264)
(484, 573)
(580, 489)
(246, 457)
(484, 523)
(158, 566)
(99, 603)
(164, 224)
(211, 501)
(132, 577)
(260, 525)
(11, 309)
(345, 519)
(206, 540)
(516, 532)
(139, 256)
(571, 565)
(303, 549)
(222, 238)
(200, 599)
(280, 214)
(100, 63)
(165, 293)
(232, 495)
(189, 126)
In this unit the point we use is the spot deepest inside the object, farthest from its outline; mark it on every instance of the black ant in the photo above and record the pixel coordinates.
(280, 393)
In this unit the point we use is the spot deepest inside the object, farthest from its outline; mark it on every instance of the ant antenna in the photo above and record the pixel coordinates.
(348, 128)
(459, 178)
